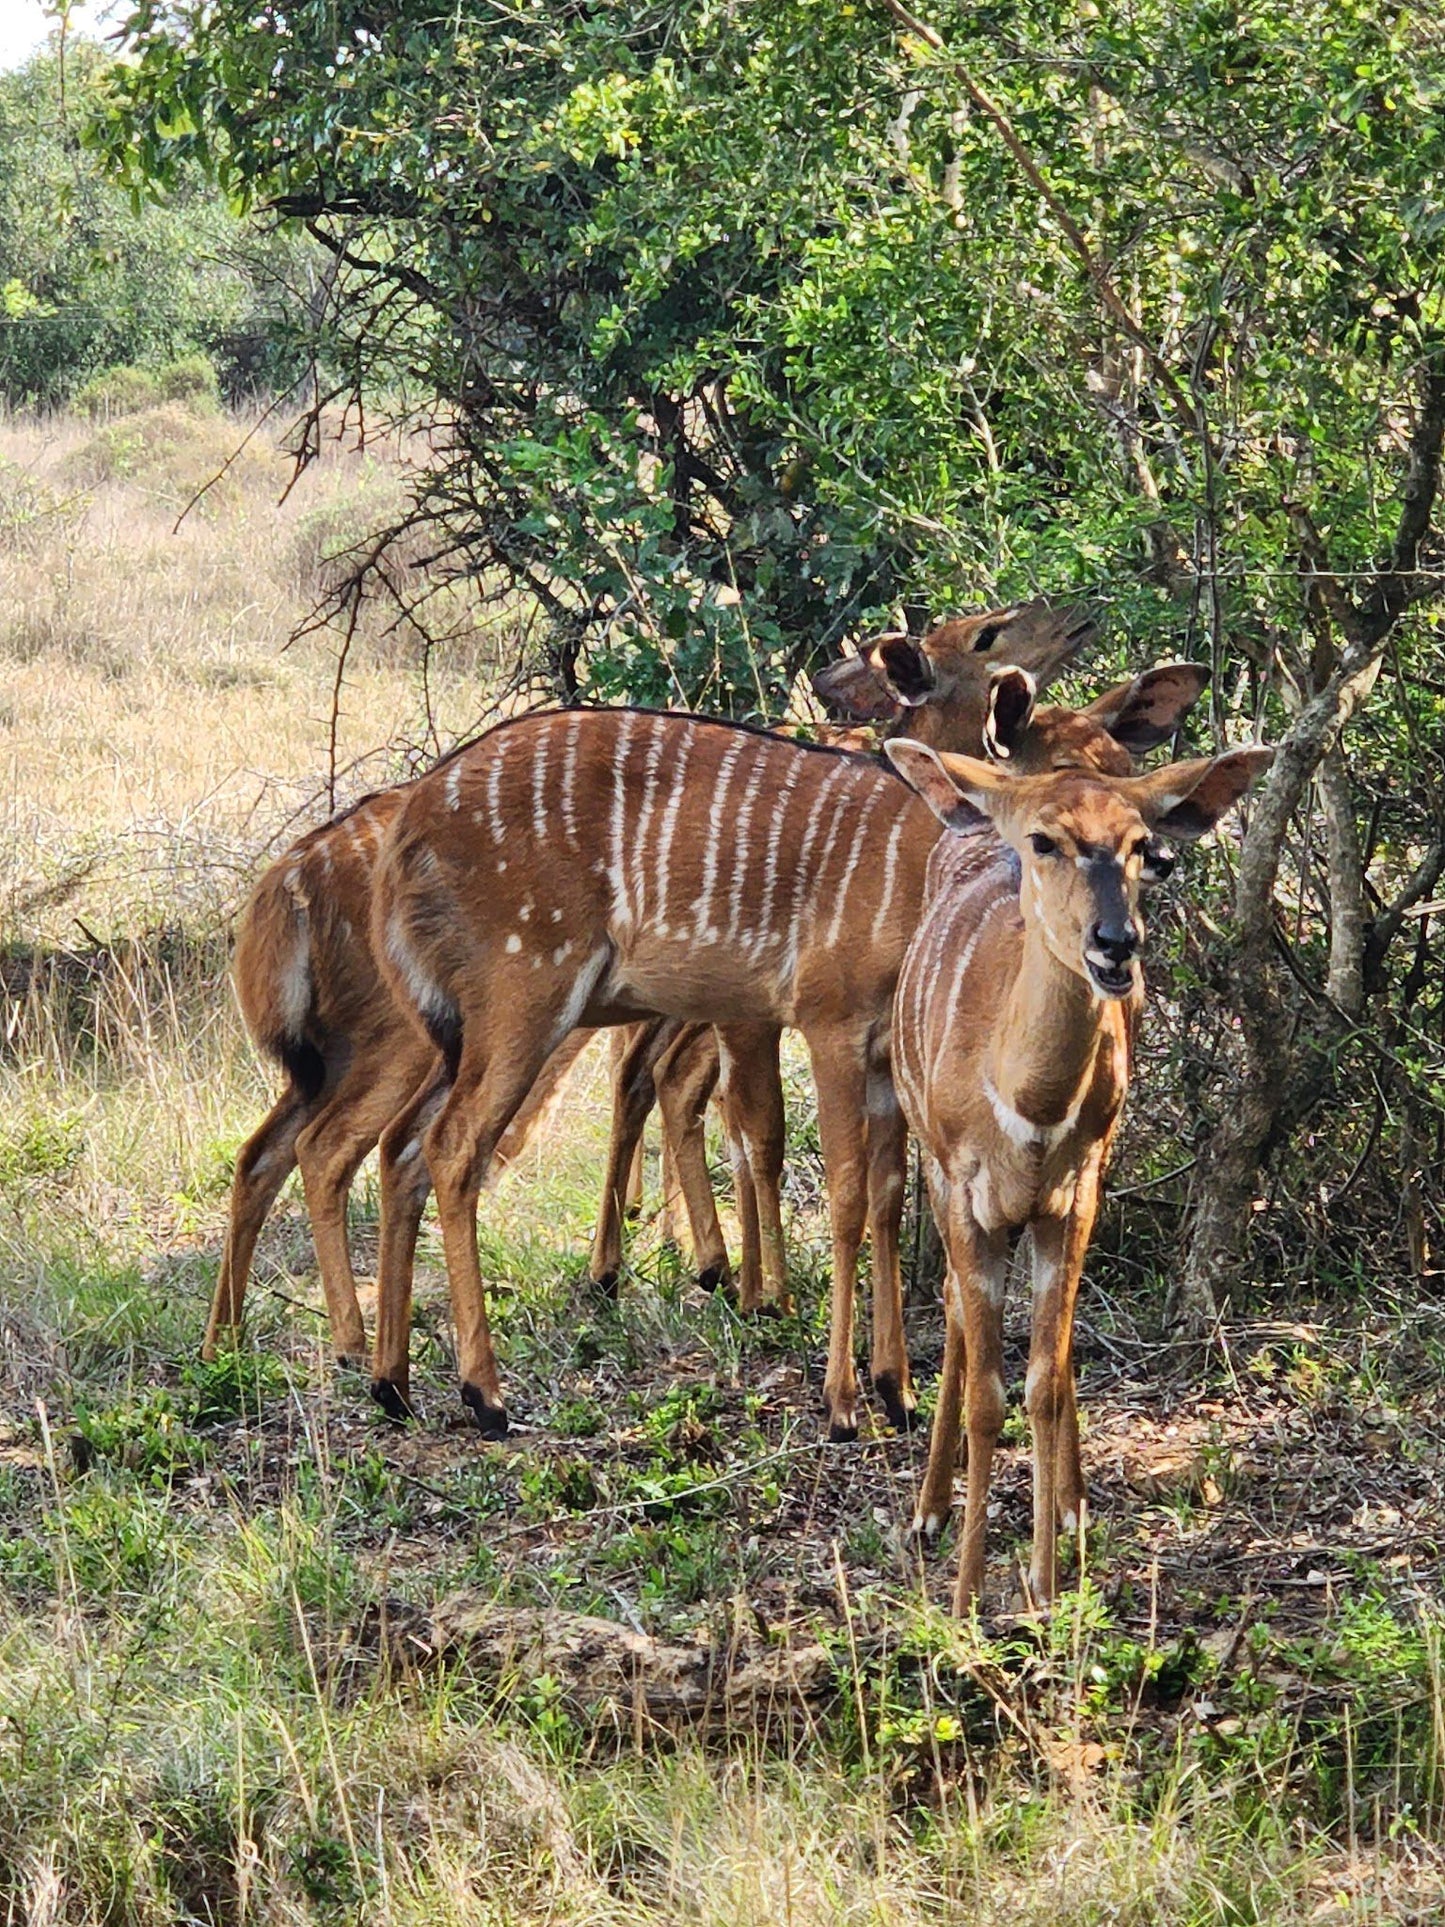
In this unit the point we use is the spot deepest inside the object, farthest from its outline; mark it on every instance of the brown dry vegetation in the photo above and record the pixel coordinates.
(231, 1683)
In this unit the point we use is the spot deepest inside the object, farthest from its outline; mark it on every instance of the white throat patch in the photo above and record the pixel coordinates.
(1021, 1130)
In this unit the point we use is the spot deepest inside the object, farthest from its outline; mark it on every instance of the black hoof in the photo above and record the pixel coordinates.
(903, 1418)
(841, 1431)
(712, 1276)
(491, 1419)
(606, 1286)
(392, 1400)
(350, 1362)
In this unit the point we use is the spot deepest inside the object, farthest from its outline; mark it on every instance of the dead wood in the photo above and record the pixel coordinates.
(601, 1671)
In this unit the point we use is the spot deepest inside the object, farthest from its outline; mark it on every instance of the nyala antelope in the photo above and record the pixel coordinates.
(315, 1004)
(591, 867)
(939, 686)
(1012, 1034)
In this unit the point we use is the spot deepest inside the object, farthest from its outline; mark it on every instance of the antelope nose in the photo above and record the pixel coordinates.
(1116, 941)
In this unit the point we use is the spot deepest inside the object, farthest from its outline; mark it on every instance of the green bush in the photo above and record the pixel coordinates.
(117, 391)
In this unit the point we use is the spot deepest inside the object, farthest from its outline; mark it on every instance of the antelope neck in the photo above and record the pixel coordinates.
(946, 725)
(1042, 1055)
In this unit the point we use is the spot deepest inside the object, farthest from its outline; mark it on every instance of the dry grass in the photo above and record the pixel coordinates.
(192, 1725)
(155, 730)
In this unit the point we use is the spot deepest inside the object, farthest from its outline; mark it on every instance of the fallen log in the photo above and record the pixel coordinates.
(602, 1672)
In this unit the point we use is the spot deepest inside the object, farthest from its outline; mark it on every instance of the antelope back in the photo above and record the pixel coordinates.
(644, 862)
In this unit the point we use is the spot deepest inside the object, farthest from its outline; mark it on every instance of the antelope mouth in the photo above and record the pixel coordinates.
(1109, 979)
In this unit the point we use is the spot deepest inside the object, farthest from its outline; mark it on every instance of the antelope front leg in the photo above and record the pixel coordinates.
(840, 1072)
(979, 1261)
(887, 1177)
(1059, 1248)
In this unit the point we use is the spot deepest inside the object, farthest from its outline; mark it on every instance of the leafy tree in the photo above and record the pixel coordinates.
(90, 279)
(732, 324)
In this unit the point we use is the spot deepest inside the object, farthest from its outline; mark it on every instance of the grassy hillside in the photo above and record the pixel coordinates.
(250, 1666)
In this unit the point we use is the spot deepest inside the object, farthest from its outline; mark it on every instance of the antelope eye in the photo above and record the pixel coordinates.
(1042, 845)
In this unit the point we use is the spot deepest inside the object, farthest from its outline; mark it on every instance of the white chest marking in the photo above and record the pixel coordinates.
(1023, 1131)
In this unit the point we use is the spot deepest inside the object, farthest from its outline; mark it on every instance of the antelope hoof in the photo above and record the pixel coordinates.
(712, 1276)
(842, 1422)
(928, 1526)
(900, 1406)
(392, 1400)
(606, 1286)
(356, 1361)
(491, 1419)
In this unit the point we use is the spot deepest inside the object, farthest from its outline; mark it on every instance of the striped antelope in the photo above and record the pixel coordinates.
(313, 1001)
(1013, 1030)
(939, 685)
(1126, 721)
(591, 866)
(315, 1004)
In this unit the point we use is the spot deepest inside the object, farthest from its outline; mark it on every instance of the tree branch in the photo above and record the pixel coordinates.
(1093, 267)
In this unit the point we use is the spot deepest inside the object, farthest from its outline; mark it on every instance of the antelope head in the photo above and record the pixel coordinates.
(1123, 723)
(948, 670)
(1085, 842)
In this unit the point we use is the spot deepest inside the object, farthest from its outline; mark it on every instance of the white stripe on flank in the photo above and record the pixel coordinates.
(426, 995)
(569, 777)
(454, 784)
(644, 821)
(890, 865)
(583, 985)
(356, 839)
(764, 929)
(740, 855)
(966, 956)
(669, 826)
(800, 873)
(539, 783)
(494, 786)
(840, 811)
(850, 864)
(728, 764)
(616, 873)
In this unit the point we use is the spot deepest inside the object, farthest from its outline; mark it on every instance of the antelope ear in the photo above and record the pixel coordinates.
(1010, 711)
(922, 770)
(1186, 800)
(854, 686)
(1146, 711)
(904, 667)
